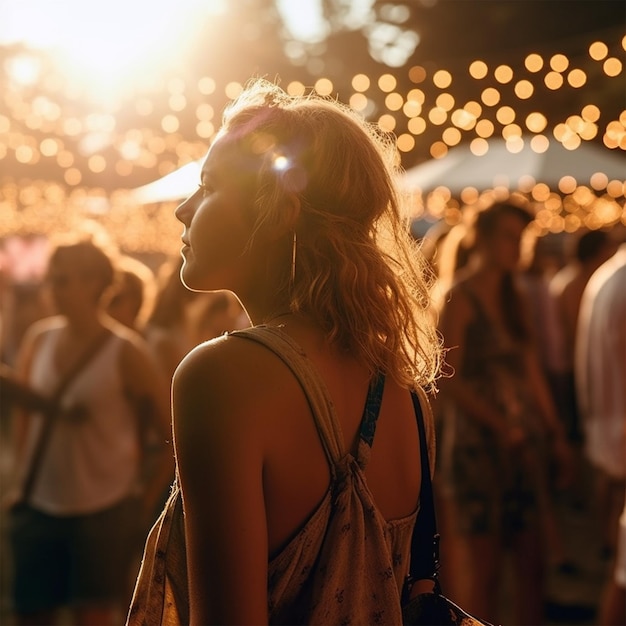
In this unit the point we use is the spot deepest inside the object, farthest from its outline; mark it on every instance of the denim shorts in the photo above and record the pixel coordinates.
(79, 560)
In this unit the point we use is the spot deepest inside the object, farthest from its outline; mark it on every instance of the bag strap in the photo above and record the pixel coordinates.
(52, 411)
(374, 399)
(425, 542)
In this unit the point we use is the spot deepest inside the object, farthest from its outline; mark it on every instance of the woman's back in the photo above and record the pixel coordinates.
(318, 535)
(297, 473)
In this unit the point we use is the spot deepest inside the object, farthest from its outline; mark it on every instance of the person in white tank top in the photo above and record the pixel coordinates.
(73, 535)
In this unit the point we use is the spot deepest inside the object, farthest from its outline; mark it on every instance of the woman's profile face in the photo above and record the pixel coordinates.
(218, 221)
(503, 245)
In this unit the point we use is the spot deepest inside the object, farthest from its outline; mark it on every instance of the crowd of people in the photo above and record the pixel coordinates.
(512, 430)
(84, 493)
(208, 414)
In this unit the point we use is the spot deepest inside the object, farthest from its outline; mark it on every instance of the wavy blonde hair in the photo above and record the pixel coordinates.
(359, 271)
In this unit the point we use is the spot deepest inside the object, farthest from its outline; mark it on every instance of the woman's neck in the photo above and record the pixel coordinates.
(265, 306)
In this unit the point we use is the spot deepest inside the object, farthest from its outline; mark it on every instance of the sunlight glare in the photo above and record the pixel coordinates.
(304, 19)
(23, 69)
(105, 48)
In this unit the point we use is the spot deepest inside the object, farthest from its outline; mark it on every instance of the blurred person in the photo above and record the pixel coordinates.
(22, 264)
(168, 327)
(432, 240)
(498, 421)
(130, 301)
(538, 269)
(544, 323)
(297, 215)
(131, 298)
(21, 304)
(453, 252)
(589, 251)
(219, 313)
(600, 365)
(169, 332)
(613, 601)
(544, 315)
(72, 527)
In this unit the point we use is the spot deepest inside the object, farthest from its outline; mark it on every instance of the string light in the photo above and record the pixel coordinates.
(81, 145)
(394, 101)
(358, 102)
(360, 82)
(387, 83)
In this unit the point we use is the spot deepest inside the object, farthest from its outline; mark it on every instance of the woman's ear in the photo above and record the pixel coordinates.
(286, 217)
(291, 210)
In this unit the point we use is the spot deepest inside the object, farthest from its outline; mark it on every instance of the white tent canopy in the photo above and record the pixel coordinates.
(460, 168)
(174, 186)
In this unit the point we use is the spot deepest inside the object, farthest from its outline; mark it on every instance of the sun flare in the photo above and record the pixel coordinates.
(104, 47)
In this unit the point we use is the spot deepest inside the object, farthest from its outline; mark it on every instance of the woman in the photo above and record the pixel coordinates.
(73, 534)
(296, 214)
(497, 420)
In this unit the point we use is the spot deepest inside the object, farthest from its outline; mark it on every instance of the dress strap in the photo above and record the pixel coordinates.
(312, 384)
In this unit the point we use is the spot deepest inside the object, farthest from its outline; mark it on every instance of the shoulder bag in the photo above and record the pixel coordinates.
(428, 609)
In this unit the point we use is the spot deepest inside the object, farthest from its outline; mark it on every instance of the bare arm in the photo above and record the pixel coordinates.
(218, 442)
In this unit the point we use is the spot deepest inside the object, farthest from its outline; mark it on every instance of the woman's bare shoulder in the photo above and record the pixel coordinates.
(224, 358)
(227, 377)
(225, 396)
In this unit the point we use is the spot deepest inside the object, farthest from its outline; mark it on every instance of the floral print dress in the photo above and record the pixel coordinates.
(494, 489)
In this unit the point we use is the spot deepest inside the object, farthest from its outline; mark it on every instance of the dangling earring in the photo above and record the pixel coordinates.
(293, 259)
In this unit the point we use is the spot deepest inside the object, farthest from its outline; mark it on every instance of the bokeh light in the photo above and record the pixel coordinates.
(478, 69)
(533, 62)
(176, 115)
